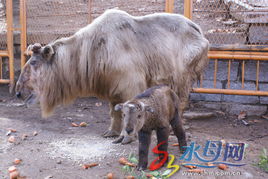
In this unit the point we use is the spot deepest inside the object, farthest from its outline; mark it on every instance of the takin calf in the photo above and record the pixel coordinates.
(154, 109)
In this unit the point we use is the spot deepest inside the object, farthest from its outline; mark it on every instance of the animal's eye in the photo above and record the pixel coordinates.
(123, 115)
(139, 116)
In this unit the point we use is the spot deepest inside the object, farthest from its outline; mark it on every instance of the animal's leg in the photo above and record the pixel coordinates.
(182, 105)
(176, 125)
(144, 143)
(116, 122)
(162, 137)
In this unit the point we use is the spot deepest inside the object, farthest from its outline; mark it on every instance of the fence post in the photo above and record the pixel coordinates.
(188, 8)
(9, 14)
(169, 6)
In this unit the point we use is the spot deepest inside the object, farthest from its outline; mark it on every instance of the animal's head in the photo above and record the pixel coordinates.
(27, 84)
(134, 115)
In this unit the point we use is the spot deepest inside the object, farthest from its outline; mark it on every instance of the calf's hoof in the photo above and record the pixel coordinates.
(183, 147)
(110, 133)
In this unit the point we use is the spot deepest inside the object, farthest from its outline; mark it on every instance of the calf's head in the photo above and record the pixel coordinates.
(134, 115)
(27, 87)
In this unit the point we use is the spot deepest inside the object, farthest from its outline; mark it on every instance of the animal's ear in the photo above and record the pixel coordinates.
(149, 109)
(47, 52)
(118, 107)
(34, 48)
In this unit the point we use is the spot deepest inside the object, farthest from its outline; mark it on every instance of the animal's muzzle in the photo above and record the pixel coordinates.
(18, 94)
(129, 130)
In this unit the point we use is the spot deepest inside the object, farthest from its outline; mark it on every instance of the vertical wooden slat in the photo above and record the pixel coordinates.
(229, 74)
(188, 9)
(215, 72)
(9, 14)
(243, 73)
(257, 75)
(23, 33)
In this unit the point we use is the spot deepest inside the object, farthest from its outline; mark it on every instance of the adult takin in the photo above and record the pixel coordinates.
(155, 109)
(116, 57)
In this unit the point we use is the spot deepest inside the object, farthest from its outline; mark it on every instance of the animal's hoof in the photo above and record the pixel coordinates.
(110, 133)
(127, 140)
(141, 168)
(183, 148)
(118, 140)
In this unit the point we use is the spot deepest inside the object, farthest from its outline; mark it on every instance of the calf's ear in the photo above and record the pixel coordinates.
(149, 109)
(118, 107)
(47, 52)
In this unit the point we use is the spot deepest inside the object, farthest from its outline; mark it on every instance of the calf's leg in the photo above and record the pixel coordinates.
(178, 130)
(162, 137)
(144, 144)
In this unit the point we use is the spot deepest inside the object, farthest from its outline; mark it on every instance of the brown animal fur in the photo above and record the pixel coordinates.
(154, 109)
(116, 57)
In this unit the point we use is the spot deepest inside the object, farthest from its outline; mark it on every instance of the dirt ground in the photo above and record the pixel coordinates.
(59, 150)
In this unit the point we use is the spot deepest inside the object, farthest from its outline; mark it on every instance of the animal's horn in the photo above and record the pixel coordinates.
(36, 47)
(132, 107)
(142, 105)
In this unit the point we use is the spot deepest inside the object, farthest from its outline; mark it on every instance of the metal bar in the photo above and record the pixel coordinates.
(243, 73)
(230, 91)
(3, 53)
(89, 11)
(257, 75)
(229, 74)
(16, 29)
(9, 14)
(238, 47)
(215, 72)
(237, 56)
(188, 9)
(169, 6)
(6, 81)
(236, 11)
(1, 68)
(23, 33)
(249, 53)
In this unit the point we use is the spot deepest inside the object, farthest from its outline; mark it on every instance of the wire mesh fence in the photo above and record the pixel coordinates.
(6, 43)
(239, 29)
(233, 21)
(48, 20)
(3, 25)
